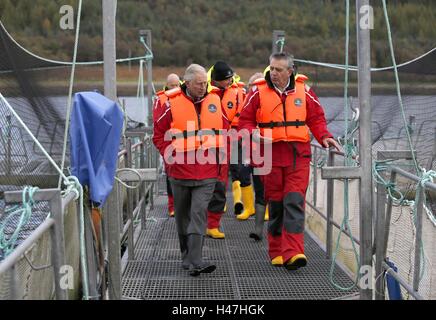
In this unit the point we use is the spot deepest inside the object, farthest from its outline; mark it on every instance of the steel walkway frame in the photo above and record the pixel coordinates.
(243, 268)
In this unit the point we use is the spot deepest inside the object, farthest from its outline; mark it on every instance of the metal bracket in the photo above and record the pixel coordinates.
(147, 174)
(341, 172)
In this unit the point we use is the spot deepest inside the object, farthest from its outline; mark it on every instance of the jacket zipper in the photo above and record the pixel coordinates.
(199, 121)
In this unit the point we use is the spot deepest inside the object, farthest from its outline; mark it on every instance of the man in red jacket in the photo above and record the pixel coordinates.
(189, 135)
(280, 110)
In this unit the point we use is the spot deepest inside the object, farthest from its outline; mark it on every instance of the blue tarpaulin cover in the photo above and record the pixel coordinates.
(394, 289)
(95, 133)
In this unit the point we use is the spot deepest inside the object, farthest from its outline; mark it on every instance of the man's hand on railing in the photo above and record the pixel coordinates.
(330, 142)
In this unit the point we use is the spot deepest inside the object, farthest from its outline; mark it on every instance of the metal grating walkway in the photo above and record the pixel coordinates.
(243, 268)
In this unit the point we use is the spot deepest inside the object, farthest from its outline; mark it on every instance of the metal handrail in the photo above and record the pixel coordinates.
(54, 223)
(383, 231)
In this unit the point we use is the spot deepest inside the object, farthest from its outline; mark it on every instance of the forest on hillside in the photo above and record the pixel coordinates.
(204, 31)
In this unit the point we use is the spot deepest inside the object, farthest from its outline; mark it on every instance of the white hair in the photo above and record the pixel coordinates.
(283, 56)
(192, 70)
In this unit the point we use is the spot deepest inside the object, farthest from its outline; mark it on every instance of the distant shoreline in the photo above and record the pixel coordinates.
(322, 89)
(56, 81)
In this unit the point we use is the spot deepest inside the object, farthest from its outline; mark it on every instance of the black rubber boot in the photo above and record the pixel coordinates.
(195, 248)
(259, 221)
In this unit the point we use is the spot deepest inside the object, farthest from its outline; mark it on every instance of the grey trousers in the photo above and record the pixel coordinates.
(191, 198)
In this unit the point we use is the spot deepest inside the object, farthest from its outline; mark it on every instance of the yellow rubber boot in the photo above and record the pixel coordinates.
(215, 233)
(277, 261)
(248, 200)
(237, 197)
(296, 262)
(266, 214)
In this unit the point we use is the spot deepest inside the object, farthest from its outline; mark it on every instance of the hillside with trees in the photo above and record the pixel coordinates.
(203, 31)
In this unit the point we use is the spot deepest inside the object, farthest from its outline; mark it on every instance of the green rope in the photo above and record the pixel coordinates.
(73, 182)
(427, 176)
(399, 199)
(281, 42)
(7, 245)
(148, 56)
(349, 150)
(394, 193)
(70, 183)
(70, 90)
(424, 176)
(397, 82)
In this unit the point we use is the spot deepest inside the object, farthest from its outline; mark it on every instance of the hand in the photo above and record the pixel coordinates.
(330, 142)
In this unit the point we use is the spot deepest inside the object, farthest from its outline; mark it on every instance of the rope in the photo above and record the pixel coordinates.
(67, 63)
(148, 56)
(73, 185)
(355, 68)
(74, 182)
(345, 225)
(395, 194)
(397, 82)
(426, 176)
(70, 90)
(7, 246)
(69, 182)
(140, 90)
(123, 183)
(281, 42)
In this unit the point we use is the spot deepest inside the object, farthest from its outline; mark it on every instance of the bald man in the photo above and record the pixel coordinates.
(173, 81)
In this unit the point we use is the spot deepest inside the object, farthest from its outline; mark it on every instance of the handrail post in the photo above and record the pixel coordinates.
(58, 244)
(113, 243)
(109, 49)
(418, 237)
(90, 251)
(330, 206)
(143, 213)
(388, 215)
(129, 207)
(380, 238)
(365, 152)
(315, 175)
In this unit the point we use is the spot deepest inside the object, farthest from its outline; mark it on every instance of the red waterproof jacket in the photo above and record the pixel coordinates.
(194, 171)
(287, 153)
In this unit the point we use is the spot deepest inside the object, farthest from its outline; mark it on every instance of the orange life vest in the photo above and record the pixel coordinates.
(191, 130)
(162, 97)
(283, 121)
(232, 102)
